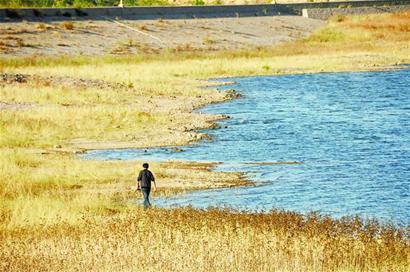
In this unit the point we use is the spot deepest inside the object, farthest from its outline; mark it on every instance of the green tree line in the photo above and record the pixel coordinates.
(78, 3)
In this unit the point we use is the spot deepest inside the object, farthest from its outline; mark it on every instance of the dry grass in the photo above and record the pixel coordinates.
(143, 27)
(60, 213)
(63, 113)
(48, 188)
(351, 37)
(4, 46)
(212, 240)
(207, 40)
(67, 25)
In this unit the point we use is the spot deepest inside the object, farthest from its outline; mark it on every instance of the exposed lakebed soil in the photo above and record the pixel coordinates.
(118, 37)
(6, 78)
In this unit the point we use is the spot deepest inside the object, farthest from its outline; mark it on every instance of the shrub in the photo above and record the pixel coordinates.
(198, 2)
(67, 25)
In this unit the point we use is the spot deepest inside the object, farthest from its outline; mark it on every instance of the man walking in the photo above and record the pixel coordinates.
(145, 178)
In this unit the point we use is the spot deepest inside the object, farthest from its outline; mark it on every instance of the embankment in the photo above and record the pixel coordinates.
(182, 12)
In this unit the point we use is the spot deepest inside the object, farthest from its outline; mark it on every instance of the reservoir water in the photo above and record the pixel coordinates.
(351, 131)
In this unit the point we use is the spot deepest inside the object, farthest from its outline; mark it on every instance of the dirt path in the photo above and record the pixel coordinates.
(149, 36)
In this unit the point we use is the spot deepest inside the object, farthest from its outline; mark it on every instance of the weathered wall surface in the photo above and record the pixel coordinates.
(326, 13)
(182, 11)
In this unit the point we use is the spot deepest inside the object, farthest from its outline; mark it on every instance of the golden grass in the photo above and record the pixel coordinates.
(212, 240)
(64, 113)
(58, 125)
(67, 25)
(48, 188)
(61, 213)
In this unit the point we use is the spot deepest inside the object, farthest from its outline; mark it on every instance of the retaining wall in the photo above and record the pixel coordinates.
(326, 13)
(145, 12)
(181, 11)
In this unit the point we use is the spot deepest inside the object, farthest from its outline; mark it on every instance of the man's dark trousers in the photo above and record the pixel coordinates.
(145, 192)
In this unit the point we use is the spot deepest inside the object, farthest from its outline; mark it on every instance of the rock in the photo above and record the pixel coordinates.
(19, 78)
(176, 149)
(58, 81)
(203, 136)
(214, 126)
(11, 78)
(232, 94)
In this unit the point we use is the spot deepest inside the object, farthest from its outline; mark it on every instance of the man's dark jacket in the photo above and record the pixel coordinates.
(145, 177)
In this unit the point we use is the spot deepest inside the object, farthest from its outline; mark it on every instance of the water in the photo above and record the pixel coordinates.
(351, 131)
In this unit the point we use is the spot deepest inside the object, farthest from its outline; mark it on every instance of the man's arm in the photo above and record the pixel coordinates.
(138, 180)
(153, 180)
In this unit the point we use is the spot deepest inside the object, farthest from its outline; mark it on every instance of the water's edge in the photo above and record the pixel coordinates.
(194, 151)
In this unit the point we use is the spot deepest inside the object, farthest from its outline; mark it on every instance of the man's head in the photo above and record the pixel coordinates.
(145, 165)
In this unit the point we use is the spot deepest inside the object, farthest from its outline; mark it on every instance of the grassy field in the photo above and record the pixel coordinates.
(213, 240)
(60, 213)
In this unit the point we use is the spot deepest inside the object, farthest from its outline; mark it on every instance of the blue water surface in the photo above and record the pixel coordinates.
(351, 131)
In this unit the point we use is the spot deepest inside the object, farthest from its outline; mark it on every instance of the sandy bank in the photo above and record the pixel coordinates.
(150, 36)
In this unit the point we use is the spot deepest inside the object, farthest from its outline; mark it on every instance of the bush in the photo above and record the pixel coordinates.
(198, 2)
(67, 25)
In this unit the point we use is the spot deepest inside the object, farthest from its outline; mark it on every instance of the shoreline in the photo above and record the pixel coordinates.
(244, 182)
(164, 90)
(217, 117)
(213, 119)
(76, 213)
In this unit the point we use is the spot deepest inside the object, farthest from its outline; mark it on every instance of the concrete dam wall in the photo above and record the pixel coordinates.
(183, 12)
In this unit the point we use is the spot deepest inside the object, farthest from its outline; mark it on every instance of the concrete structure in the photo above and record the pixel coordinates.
(168, 12)
(326, 13)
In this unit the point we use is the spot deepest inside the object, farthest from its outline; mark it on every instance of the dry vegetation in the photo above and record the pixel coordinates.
(124, 37)
(54, 187)
(212, 240)
(61, 213)
(67, 25)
